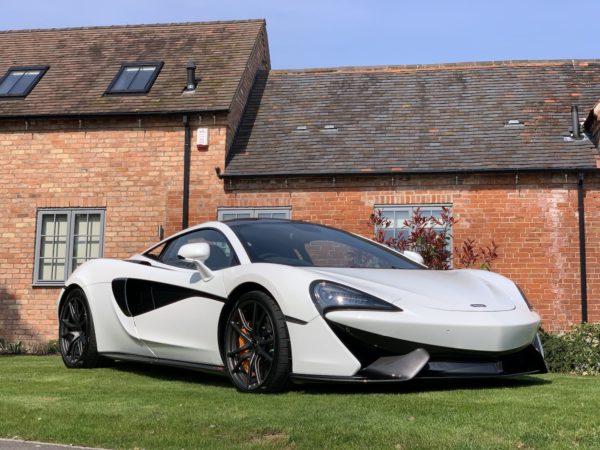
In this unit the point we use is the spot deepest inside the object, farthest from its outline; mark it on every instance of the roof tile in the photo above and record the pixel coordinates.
(83, 62)
(416, 119)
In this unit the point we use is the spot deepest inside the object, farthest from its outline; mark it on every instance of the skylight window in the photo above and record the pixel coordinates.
(19, 81)
(135, 78)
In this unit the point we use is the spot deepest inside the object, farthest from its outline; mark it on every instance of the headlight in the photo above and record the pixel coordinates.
(524, 298)
(328, 295)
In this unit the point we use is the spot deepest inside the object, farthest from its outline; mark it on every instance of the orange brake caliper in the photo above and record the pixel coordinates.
(241, 343)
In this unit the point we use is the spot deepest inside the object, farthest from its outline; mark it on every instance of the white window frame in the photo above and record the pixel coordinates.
(254, 212)
(71, 213)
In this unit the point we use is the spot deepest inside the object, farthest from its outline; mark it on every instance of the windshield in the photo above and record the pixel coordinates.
(310, 245)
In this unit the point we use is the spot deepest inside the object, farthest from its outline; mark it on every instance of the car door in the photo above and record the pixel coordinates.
(176, 312)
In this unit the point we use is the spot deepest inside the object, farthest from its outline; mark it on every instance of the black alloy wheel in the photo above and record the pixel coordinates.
(256, 344)
(76, 332)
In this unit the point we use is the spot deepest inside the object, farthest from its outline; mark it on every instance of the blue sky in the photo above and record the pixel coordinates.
(324, 33)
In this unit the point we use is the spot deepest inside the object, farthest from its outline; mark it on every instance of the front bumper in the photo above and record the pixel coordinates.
(481, 346)
(404, 360)
(494, 332)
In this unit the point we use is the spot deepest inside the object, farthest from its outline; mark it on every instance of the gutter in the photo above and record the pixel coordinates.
(186, 171)
(582, 254)
(111, 114)
(411, 172)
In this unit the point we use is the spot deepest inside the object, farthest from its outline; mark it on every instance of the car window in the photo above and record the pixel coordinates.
(306, 244)
(154, 252)
(221, 253)
(325, 253)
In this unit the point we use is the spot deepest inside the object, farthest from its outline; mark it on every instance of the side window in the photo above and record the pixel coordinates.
(155, 252)
(221, 253)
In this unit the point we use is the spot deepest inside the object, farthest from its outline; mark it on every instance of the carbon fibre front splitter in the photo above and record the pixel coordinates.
(419, 364)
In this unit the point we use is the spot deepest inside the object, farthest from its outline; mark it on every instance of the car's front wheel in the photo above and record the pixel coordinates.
(77, 339)
(256, 344)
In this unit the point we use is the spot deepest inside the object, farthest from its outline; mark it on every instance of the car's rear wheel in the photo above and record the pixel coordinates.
(256, 344)
(77, 339)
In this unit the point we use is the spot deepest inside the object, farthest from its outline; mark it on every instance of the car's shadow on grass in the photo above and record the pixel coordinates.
(168, 373)
(171, 373)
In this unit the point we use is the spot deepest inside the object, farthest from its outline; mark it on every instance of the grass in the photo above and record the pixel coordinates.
(137, 406)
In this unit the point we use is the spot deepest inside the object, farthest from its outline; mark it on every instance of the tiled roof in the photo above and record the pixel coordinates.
(417, 119)
(83, 62)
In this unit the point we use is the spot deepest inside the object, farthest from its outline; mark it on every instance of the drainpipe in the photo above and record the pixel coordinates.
(186, 172)
(582, 261)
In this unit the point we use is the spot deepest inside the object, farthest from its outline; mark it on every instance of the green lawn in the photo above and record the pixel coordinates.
(130, 405)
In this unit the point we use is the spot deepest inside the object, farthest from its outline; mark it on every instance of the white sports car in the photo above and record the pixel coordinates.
(268, 301)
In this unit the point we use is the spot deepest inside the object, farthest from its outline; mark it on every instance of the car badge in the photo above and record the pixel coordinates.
(478, 305)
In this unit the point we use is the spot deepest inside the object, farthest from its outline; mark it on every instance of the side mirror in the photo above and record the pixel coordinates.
(197, 253)
(414, 256)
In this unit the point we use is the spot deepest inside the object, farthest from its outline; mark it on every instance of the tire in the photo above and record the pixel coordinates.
(256, 345)
(76, 335)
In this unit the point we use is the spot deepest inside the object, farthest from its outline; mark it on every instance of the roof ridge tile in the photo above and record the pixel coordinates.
(435, 66)
(140, 25)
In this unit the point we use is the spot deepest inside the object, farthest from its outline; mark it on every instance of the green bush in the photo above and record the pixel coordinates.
(577, 351)
(11, 348)
(40, 348)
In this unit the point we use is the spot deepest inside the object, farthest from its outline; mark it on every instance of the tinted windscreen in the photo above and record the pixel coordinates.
(304, 244)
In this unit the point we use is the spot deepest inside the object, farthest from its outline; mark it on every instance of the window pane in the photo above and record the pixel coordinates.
(86, 238)
(24, 82)
(389, 215)
(237, 215)
(53, 247)
(125, 79)
(49, 221)
(94, 224)
(403, 234)
(401, 216)
(142, 78)
(9, 82)
(264, 215)
(280, 215)
(52, 270)
(388, 234)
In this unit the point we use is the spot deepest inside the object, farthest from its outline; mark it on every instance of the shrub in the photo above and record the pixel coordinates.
(11, 348)
(17, 348)
(44, 348)
(576, 352)
(430, 236)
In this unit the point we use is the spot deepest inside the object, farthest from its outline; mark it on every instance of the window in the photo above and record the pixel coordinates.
(19, 81)
(135, 78)
(65, 239)
(221, 253)
(398, 214)
(254, 213)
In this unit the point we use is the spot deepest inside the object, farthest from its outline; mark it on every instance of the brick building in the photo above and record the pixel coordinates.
(108, 137)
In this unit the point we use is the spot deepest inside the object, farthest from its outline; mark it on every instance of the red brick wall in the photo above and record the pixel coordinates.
(134, 170)
(131, 167)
